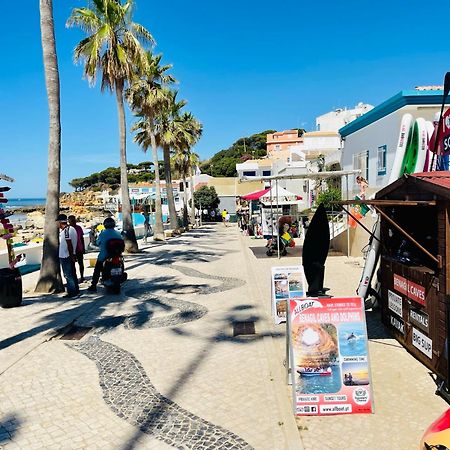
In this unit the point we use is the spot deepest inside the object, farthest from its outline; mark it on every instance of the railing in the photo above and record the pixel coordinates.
(337, 222)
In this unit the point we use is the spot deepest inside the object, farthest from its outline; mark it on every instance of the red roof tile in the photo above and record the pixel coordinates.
(440, 178)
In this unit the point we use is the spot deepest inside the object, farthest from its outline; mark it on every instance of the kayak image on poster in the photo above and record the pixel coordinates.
(329, 354)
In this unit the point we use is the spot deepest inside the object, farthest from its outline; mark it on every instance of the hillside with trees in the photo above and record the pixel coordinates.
(110, 178)
(223, 163)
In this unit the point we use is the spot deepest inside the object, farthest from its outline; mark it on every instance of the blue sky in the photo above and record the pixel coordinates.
(243, 66)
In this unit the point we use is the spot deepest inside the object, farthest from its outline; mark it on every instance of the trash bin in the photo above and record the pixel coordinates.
(10, 288)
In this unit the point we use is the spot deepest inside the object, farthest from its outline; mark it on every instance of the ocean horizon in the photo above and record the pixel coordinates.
(15, 202)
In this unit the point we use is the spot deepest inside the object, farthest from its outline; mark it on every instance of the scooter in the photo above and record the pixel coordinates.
(114, 274)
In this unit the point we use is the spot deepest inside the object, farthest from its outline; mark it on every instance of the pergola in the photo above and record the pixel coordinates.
(305, 176)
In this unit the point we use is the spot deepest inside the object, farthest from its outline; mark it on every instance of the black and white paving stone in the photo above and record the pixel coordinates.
(128, 391)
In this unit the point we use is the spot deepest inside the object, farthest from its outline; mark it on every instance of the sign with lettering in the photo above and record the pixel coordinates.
(329, 354)
(422, 343)
(395, 303)
(412, 290)
(287, 282)
(419, 318)
(397, 323)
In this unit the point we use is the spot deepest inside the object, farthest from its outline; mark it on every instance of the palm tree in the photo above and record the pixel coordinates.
(145, 137)
(147, 97)
(50, 276)
(169, 122)
(189, 132)
(114, 47)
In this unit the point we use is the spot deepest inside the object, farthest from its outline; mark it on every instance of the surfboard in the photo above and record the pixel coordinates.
(315, 252)
(403, 138)
(429, 157)
(422, 145)
(371, 262)
(409, 161)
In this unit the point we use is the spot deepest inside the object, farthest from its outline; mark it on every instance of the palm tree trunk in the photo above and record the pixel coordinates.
(127, 227)
(50, 275)
(158, 231)
(185, 209)
(169, 190)
(192, 198)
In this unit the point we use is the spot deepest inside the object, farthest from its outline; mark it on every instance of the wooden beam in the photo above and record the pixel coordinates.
(387, 202)
(409, 237)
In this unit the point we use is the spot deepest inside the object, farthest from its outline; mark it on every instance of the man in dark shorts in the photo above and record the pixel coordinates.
(80, 250)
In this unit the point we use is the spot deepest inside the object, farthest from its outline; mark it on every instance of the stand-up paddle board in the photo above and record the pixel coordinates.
(315, 252)
(403, 138)
(371, 262)
(422, 145)
(430, 131)
(412, 149)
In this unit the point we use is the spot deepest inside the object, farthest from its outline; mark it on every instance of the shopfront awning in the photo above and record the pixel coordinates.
(255, 195)
(279, 196)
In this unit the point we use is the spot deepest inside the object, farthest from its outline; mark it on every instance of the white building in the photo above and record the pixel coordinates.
(334, 120)
(370, 142)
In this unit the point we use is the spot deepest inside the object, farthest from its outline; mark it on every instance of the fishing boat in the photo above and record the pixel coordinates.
(315, 371)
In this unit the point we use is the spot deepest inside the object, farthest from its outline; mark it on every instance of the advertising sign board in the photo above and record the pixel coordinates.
(329, 355)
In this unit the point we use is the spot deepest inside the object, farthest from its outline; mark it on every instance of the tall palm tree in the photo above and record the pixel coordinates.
(114, 47)
(169, 122)
(145, 137)
(147, 97)
(189, 132)
(50, 276)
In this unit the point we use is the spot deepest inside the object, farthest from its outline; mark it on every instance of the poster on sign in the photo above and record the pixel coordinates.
(329, 354)
(288, 282)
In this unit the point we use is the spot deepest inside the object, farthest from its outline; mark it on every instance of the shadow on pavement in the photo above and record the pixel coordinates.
(224, 334)
(9, 425)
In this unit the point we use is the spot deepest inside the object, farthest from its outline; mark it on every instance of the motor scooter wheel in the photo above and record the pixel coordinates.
(269, 253)
(284, 252)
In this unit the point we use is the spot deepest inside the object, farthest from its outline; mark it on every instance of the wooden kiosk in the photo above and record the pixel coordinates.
(415, 267)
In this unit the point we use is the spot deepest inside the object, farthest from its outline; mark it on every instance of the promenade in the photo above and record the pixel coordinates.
(163, 366)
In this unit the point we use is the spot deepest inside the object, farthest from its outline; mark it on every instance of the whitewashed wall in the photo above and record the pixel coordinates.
(384, 131)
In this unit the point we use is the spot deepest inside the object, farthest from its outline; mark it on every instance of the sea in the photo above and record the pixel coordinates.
(19, 218)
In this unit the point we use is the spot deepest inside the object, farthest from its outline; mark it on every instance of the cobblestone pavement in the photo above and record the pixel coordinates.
(160, 368)
(404, 391)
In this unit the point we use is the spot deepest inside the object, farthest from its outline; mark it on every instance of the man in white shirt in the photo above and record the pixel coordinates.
(68, 239)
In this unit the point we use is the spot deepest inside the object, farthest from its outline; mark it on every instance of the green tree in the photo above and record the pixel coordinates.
(328, 196)
(168, 130)
(223, 163)
(114, 48)
(206, 197)
(50, 276)
(189, 132)
(147, 97)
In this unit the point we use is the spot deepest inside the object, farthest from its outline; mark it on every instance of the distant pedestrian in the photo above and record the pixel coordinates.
(80, 250)
(225, 217)
(68, 239)
(146, 225)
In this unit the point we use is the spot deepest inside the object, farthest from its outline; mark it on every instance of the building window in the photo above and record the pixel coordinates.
(381, 159)
(249, 173)
(277, 147)
(361, 162)
(266, 173)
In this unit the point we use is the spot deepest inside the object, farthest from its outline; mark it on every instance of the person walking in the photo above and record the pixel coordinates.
(108, 233)
(147, 226)
(67, 246)
(224, 217)
(80, 250)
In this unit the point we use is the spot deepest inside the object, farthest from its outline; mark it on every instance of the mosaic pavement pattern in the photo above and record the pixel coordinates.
(128, 391)
(227, 282)
(187, 311)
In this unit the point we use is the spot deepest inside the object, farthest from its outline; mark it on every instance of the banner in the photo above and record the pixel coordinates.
(288, 282)
(328, 344)
(269, 220)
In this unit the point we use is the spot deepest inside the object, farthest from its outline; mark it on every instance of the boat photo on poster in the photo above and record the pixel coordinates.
(329, 354)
